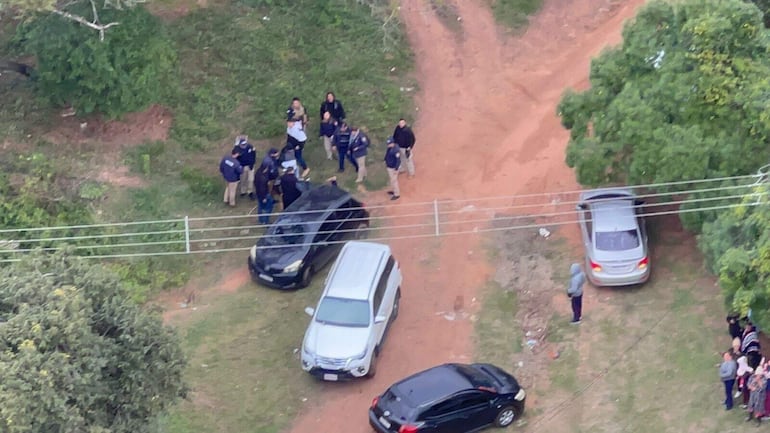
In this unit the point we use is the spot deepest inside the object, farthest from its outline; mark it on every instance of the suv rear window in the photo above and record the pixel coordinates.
(617, 241)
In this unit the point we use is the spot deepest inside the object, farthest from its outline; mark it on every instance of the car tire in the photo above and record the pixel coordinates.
(372, 365)
(362, 231)
(307, 274)
(396, 303)
(505, 416)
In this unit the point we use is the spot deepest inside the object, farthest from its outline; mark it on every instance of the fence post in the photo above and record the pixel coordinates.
(187, 233)
(435, 216)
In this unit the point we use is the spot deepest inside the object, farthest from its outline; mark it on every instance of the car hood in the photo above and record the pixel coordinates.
(620, 255)
(337, 342)
(278, 257)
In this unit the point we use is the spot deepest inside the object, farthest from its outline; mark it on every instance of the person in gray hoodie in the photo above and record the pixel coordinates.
(575, 291)
(727, 372)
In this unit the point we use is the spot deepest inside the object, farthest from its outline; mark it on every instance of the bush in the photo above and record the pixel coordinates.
(200, 183)
(128, 71)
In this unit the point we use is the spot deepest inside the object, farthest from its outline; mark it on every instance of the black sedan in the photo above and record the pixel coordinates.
(450, 398)
(306, 237)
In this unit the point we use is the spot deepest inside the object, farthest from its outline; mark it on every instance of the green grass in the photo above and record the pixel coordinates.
(496, 338)
(244, 372)
(514, 14)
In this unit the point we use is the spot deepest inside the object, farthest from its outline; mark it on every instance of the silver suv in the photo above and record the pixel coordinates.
(358, 305)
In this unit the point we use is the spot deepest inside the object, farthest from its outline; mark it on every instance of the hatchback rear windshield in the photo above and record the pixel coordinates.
(343, 312)
(617, 241)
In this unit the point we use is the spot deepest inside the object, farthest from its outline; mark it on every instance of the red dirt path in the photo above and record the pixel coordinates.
(486, 127)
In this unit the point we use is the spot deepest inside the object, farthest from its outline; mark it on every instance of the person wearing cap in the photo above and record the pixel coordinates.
(326, 132)
(333, 106)
(264, 196)
(359, 143)
(296, 112)
(392, 162)
(289, 190)
(231, 171)
(404, 138)
(296, 139)
(341, 142)
(247, 157)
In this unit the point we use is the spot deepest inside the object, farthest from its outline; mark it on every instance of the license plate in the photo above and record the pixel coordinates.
(385, 422)
(328, 376)
(266, 277)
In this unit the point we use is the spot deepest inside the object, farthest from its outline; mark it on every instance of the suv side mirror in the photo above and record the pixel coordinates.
(309, 311)
(580, 206)
(638, 202)
(379, 319)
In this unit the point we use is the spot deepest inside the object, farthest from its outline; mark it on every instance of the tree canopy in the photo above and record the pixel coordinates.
(77, 355)
(685, 96)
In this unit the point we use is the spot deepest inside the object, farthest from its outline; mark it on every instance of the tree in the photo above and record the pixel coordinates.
(684, 97)
(737, 249)
(77, 356)
(131, 68)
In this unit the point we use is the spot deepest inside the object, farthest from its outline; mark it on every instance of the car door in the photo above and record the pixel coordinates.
(474, 411)
(439, 418)
(322, 249)
(384, 296)
(586, 225)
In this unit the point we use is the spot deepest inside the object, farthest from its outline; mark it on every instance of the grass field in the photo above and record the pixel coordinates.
(514, 14)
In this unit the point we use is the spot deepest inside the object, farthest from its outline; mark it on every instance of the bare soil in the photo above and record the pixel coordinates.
(486, 126)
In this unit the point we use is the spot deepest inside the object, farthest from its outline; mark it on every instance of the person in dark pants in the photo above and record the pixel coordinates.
(270, 163)
(296, 138)
(264, 196)
(289, 189)
(734, 325)
(231, 171)
(575, 291)
(404, 138)
(334, 107)
(727, 371)
(341, 142)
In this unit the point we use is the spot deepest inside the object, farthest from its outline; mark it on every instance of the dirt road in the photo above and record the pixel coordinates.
(486, 126)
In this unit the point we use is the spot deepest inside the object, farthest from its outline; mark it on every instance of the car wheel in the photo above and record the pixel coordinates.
(396, 303)
(505, 416)
(307, 274)
(372, 365)
(362, 231)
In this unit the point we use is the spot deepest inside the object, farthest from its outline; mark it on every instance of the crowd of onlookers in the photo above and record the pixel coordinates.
(275, 176)
(744, 371)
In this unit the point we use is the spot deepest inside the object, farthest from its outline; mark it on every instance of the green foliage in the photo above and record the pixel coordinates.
(77, 355)
(684, 97)
(737, 248)
(129, 70)
(514, 13)
(144, 277)
(200, 183)
(142, 158)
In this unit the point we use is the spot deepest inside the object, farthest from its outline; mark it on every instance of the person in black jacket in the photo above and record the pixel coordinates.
(334, 107)
(392, 162)
(359, 143)
(264, 197)
(247, 157)
(341, 142)
(231, 171)
(289, 189)
(404, 138)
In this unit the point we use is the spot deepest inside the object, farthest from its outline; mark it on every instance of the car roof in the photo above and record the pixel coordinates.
(605, 193)
(432, 385)
(358, 266)
(319, 198)
(612, 216)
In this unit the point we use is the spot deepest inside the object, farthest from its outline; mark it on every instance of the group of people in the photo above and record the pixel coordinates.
(744, 371)
(279, 171)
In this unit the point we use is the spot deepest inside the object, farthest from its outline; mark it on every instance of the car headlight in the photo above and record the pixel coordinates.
(358, 357)
(253, 252)
(520, 395)
(294, 267)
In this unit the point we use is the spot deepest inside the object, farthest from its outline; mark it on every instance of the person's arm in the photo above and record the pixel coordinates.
(342, 111)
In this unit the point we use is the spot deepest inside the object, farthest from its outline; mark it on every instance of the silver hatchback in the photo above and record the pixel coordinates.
(614, 236)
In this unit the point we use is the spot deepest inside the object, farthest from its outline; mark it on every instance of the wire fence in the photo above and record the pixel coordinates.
(208, 235)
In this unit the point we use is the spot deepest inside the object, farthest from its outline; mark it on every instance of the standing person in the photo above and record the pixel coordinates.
(734, 325)
(326, 132)
(270, 165)
(575, 291)
(404, 137)
(744, 373)
(296, 112)
(750, 345)
(334, 107)
(727, 372)
(231, 171)
(296, 138)
(392, 162)
(757, 386)
(289, 190)
(247, 157)
(264, 196)
(341, 142)
(359, 143)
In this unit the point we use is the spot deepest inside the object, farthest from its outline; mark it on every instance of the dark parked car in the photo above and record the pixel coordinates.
(306, 237)
(450, 398)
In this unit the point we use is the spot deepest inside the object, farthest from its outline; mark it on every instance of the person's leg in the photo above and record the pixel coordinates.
(410, 164)
(361, 162)
(352, 161)
(327, 146)
(227, 192)
(393, 175)
(300, 159)
(579, 307)
(245, 180)
(576, 302)
(729, 393)
(341, 151)
(232, 190)
(250, 186)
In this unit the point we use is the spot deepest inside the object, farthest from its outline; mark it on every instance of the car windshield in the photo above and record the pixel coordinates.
(343, 312)
(286, 234)
(617, 241)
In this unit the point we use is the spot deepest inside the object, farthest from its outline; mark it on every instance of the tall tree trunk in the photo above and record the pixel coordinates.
(11, 66)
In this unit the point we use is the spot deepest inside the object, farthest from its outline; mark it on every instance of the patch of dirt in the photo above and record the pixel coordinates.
(486, 126)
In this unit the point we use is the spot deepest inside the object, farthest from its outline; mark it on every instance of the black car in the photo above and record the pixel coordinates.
(307, 236)
(450, 398)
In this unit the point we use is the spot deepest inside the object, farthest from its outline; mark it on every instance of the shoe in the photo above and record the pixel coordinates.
(243, 194)
(743, 406)
(737, 394)
(728, 408)
(575, 322)
(395, 197)
(340, 171)
(252, 196)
